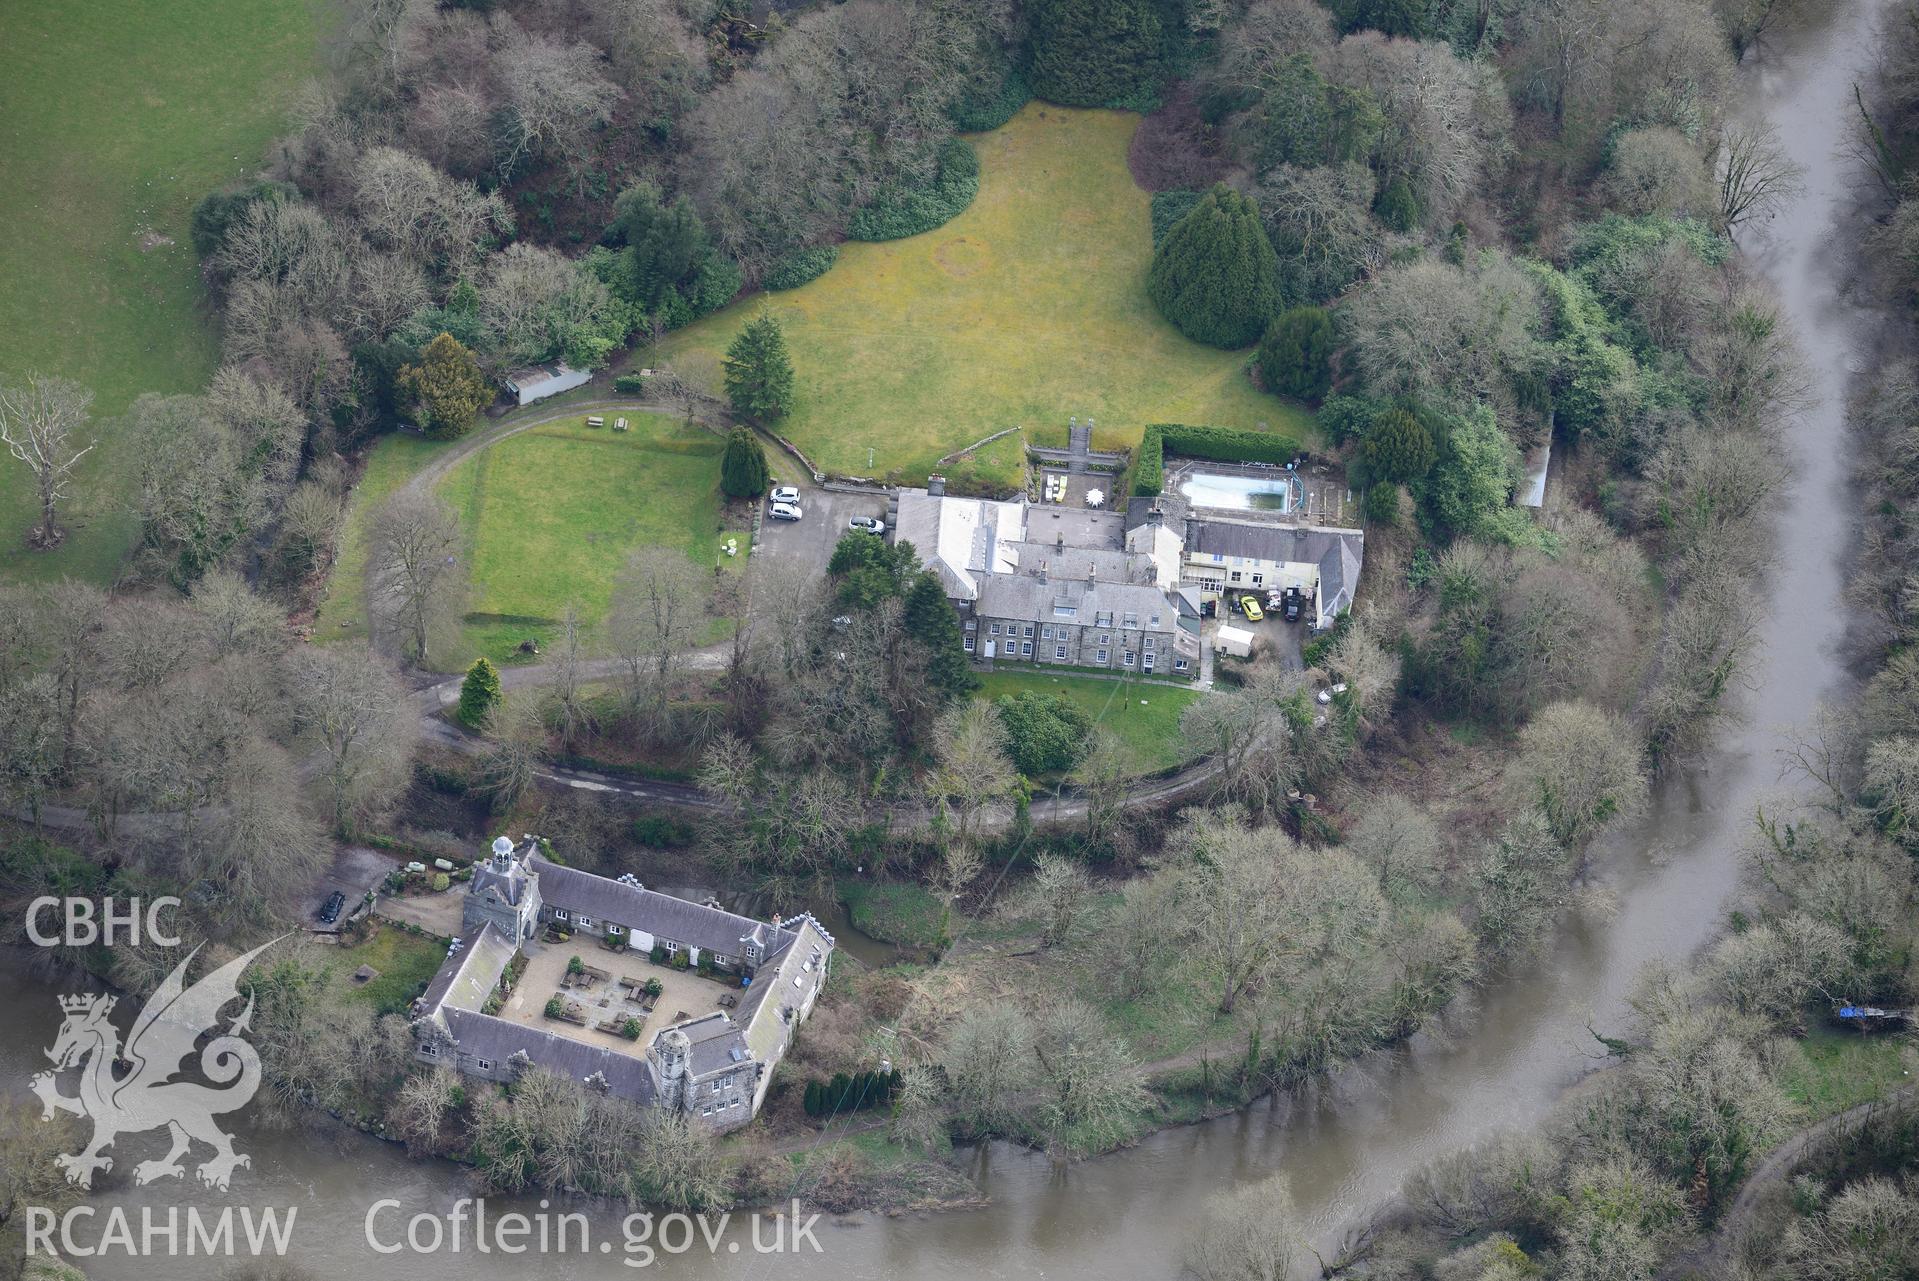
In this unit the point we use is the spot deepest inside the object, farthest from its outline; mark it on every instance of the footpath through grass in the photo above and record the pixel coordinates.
(1144, 714)
(116, 116)
(1028, 307)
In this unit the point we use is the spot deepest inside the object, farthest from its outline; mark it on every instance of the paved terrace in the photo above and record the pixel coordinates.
(606, 1004)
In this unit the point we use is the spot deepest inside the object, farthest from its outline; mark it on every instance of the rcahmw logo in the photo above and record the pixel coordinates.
(148, 1097)
(110, 924)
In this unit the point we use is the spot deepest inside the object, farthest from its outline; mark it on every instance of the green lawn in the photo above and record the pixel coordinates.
(342, 612)
(1831, 1070)
(1028, 307)
(894, 912)
(1145, 714)
(116, 116)
(406, 963)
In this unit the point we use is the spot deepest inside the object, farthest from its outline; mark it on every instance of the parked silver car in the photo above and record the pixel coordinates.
(785, 511)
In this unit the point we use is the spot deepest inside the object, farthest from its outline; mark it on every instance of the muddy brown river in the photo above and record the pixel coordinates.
(1345, 1145)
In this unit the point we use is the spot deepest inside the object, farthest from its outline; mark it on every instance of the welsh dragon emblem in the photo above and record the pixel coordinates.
(146, 1096)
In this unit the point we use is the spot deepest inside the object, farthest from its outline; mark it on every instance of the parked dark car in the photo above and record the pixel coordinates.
(331, 911)
(1293, 605)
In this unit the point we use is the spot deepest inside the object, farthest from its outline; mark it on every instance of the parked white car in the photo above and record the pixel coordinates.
(868, 524)
(785, 511)
(784, 494)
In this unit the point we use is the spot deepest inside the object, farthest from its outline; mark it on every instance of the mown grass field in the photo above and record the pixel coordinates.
(1144, 714)
(550, 515)
(1028, 307)
(116, 116)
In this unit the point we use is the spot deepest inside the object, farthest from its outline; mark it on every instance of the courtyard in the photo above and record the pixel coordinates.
(607, 1003)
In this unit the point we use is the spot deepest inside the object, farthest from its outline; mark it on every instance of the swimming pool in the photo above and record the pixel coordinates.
(1279, 492)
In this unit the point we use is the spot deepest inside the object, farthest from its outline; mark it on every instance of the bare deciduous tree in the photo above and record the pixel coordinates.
(973, 770)
(516, 746)
(414, 578)
(653, 621)
(357, 711)
(1248, 1234)
(1756, 175)
(40, 424)
(987, 1057)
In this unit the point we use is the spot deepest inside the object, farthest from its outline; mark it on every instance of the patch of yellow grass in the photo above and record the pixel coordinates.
(1029, 306)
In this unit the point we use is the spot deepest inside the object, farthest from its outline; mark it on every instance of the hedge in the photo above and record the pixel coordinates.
(797, 266)
(1221, 444)
(908, 211)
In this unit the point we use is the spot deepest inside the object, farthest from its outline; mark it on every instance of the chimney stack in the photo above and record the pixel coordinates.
(936, 486)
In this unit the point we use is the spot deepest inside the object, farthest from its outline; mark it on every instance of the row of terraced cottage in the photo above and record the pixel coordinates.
(715, 1067)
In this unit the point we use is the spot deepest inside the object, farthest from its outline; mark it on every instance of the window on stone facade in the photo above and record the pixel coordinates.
(992, 629)
(669, 945)
(1059, 651)
(721, 958)
(1046, 633)
(1101, 657)
(1029, 629)
(561, 914)
(1179, 664)
(1106, 638)
(485, 1065)
(583, 921)
(1126, 658)
(968, 645)
(1026, 647)
(1148, 664)
(429, 1049)
(1131, 620)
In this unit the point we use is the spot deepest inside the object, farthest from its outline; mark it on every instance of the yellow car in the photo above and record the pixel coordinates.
(1249, 606)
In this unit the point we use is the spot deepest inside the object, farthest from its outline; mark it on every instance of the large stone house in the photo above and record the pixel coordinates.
(1054, 586)
(715, 1068)
(1084, 623)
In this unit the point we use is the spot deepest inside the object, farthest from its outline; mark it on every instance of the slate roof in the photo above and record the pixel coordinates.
(960, 539)
(1301, 544)
(766, 1003)
(1173, 511)
(1338, 579)
(510, 883)
(712, 1042)
(707, 928)
(628, 1076)
(1108, 564)
(1033, 600)
(471, 972)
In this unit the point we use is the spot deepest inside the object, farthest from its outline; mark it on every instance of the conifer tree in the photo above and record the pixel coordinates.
(447, 388)
(479, 693)
(1094, 53)
(743, 469)
(1398, 448)
(1215, 276)
(930, 619)
(1296, 353)
(759, 375)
